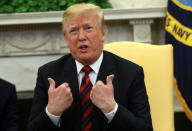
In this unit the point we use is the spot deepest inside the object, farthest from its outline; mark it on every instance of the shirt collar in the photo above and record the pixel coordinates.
(95, 66)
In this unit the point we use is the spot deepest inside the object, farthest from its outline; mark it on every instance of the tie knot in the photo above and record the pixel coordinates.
(87, 69)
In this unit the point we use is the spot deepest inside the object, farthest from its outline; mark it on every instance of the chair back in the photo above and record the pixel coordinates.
(157, 62)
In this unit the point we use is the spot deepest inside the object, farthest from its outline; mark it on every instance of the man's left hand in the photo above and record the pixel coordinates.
(102, 95)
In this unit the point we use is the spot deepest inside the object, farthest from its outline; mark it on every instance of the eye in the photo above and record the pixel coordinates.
(73, 31)
(88, 28)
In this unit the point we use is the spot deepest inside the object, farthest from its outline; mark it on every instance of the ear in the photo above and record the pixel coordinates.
(104, 32)
(66, 40)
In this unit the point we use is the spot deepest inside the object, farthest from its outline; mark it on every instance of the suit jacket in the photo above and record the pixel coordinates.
(9, 117)
(133, 112)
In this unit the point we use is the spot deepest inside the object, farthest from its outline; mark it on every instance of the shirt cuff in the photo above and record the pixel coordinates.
(111, 114)
(53, 118)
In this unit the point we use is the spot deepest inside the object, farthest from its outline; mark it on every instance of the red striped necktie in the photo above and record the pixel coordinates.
(86, 104)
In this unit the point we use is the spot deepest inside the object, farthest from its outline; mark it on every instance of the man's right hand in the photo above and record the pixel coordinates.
(60, 98)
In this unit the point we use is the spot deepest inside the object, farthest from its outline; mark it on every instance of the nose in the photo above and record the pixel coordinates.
(82, 35)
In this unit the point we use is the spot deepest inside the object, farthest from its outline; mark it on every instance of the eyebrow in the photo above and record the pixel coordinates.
(85, 23)
(73, 26)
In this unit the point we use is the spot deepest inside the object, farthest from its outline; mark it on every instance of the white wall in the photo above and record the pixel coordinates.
(138, 3)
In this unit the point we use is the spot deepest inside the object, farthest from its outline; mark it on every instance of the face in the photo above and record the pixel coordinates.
(84, 37)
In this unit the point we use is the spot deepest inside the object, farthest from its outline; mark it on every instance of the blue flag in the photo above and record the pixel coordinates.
(179, 33)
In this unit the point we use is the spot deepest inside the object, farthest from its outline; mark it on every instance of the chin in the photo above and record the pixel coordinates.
(86, 61)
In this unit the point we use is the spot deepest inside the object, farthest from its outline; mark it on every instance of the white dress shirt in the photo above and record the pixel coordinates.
(93, 77)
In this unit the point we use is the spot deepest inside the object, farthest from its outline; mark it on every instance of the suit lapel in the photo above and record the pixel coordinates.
(72, 79)
(69, 75)
(107, 68)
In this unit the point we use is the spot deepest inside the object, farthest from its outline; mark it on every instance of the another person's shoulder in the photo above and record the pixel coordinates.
(5, 83)
(6, 86)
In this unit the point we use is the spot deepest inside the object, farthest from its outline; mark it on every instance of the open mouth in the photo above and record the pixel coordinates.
(83, 47)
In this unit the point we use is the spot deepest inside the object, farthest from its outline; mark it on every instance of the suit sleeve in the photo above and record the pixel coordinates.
(136, 115)
(12, 117)
(39, 120)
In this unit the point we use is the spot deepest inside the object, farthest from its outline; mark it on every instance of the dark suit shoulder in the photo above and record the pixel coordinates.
(55, 66)
(5, 85)
(61, 61)
(123, 64)
(7, 89)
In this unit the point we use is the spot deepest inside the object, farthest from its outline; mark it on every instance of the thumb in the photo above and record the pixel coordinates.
(51, 84)
(110, 79)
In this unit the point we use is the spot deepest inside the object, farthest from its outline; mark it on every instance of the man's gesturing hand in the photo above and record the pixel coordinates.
(103, 95)
(60, 98)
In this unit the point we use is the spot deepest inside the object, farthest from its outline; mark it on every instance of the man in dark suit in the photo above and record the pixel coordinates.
(89, 89)
(9, 116)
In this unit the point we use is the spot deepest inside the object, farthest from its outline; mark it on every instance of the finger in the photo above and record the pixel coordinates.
(51, 84)
(91, 95)
(99, 84)
(65, 87)
(65, 84)
(68, 89)
(110, 79)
